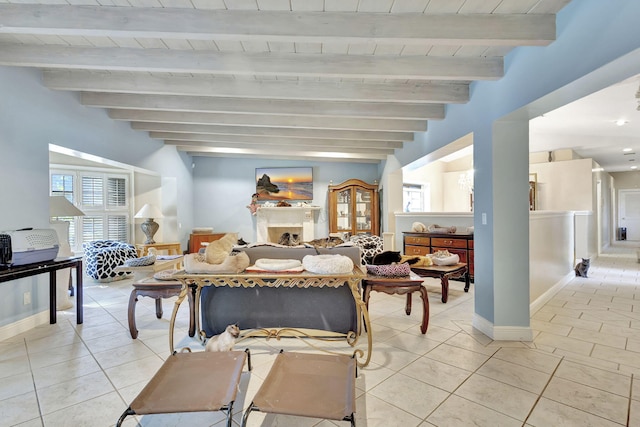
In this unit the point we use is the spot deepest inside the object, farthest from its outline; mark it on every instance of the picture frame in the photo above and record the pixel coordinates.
(284, 183)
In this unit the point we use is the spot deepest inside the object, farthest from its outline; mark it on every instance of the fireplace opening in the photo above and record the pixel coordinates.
(275, 233)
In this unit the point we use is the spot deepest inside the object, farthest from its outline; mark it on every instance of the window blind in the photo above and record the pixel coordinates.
(92, 191)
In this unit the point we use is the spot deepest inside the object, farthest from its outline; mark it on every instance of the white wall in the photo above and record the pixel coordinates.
(564, 185)
(223, 188)
(443, 178)
(31, 118)
(432, 174)
(455, 199)
(551, 238)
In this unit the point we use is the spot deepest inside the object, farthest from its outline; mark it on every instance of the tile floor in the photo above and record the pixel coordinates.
(579, 370)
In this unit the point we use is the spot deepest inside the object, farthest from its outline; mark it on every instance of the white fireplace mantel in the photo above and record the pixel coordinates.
(291, 219)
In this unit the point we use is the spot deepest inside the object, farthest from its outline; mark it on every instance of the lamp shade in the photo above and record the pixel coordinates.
(149, 211)
(60, 206)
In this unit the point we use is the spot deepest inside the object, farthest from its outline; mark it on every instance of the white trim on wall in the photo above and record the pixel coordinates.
(24, 325)
(502, 333)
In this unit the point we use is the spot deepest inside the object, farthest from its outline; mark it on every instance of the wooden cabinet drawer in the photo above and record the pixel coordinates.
(471, 244)
(418, 241)
(449, 243)
(462, 253)
(416, 250)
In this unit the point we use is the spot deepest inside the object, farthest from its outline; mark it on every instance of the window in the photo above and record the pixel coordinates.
(414, 197)
(105, 203)
(63, 184)
(103, 197)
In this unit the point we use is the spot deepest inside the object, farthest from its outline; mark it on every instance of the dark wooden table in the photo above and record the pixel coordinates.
(27, 270)
(445, 272)
(158, 289)
(399, 286)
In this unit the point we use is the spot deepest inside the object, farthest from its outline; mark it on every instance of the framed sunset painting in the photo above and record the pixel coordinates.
(295, 183)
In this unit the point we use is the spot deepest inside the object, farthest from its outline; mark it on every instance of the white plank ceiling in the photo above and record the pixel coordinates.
(338, 80)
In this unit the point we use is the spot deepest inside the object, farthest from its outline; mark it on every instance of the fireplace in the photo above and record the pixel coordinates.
(272, 222)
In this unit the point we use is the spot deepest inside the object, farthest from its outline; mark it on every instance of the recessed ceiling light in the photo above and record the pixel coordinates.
(621, 122)
(626, 150)
(634, 167)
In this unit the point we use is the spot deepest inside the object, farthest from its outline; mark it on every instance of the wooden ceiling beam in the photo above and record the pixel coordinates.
(312, 143)
(273, 132)
(280, 26)
(277, 151)
(145, 83)
(254, 63)
(378, 110)
(262, 120)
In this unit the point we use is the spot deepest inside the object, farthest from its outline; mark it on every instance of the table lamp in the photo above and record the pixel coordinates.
(149, 226)
(61, 207)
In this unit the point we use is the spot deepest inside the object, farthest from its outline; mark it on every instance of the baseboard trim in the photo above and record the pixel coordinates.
(550, 293)
(502, 333)
(24, 325)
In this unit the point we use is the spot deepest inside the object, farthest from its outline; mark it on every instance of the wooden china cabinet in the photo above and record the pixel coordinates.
(354, 208)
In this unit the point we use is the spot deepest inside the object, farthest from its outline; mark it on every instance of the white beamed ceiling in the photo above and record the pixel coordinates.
(335, 80)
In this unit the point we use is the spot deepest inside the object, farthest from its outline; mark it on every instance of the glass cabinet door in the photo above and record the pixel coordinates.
(344, 210)
(353, 208)
(363, 210)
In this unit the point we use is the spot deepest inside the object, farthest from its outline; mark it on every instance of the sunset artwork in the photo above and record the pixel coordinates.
(284, 183)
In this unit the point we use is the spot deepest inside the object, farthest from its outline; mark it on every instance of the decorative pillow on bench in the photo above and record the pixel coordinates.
(445, 258)
(265, 265)
(195, 264)
(389, 270)
(327, 264)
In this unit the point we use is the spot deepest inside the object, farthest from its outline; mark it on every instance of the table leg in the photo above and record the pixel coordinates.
(159, 308)
(367, 292)
(407, 307)
(79, 294)
(52, 297)
(172, 322)
(444, 281)
(467, 281)
(192, 312)
(425, 309)
(133, 299)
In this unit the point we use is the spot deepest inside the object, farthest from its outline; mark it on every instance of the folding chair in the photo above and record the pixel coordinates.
(308, 385)
(192, 382)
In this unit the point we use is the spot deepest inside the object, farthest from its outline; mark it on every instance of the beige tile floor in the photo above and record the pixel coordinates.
(579, 370)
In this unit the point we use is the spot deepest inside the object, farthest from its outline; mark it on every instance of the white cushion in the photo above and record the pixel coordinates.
(327, 264)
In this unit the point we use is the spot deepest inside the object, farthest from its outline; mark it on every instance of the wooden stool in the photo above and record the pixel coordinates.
(192, 382)
(444, 273)
(399, 286)
(158, 289)
(308, 385)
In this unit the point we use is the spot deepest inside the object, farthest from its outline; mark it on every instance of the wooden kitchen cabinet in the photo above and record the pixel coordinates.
(354, 208)
(428, 243)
